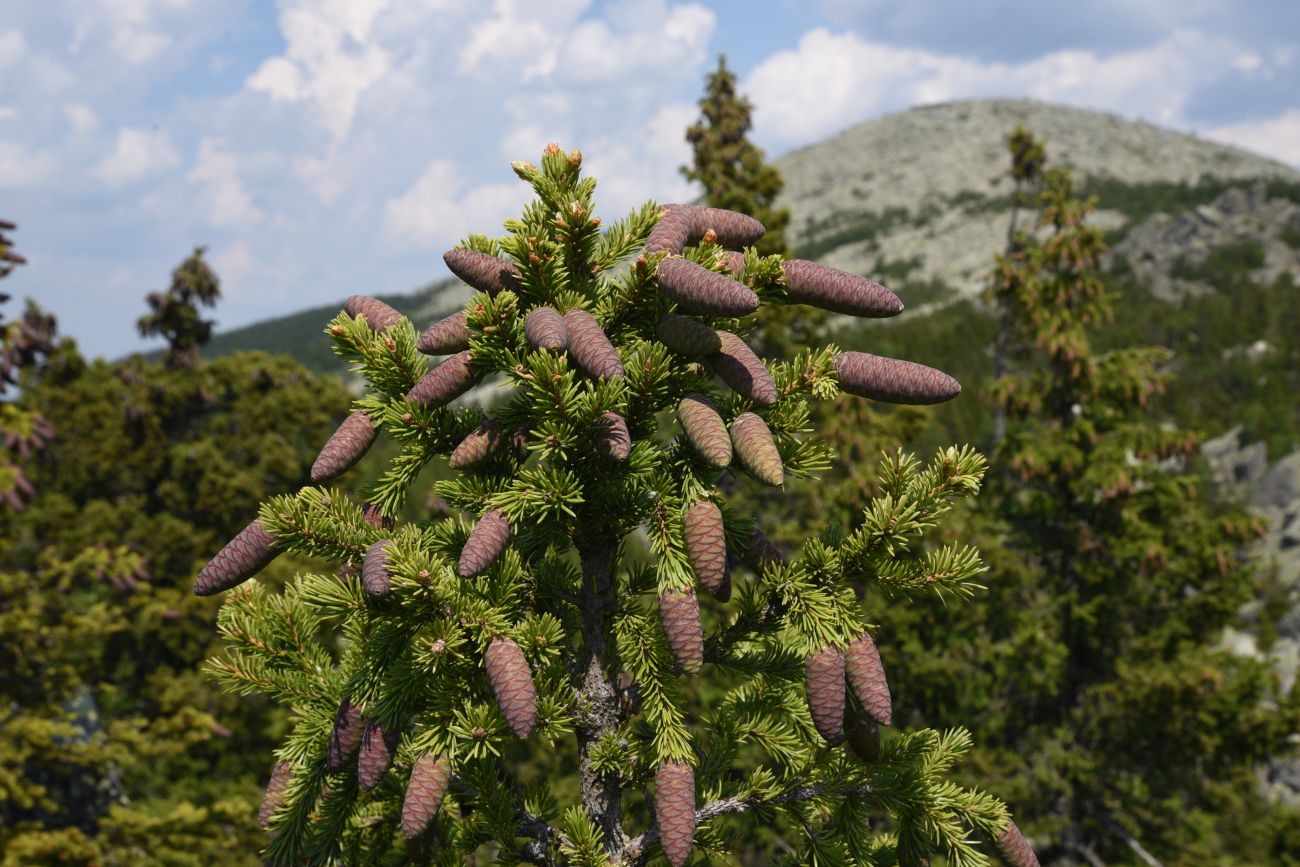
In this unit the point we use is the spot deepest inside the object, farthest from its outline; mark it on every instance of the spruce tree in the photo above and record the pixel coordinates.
(174, 314)
(445, 692)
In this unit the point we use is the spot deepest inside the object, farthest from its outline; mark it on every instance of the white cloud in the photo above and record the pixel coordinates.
(21, 167)
(80, 117)
(137, 154)
(225, 200)
(437, 210)
(1277, 137)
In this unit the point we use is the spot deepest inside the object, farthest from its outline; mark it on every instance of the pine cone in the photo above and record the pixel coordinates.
(705, 430)
(481, 443)
(735, 262)
(589, 348)
(242, 558)
(1014, 848)
(706, 545)
(611, 437)
(862, 662)
(445, 336)
(424, 793)
(672, 231)
(680, 615)
(761, 552)
(481, 271)
(344, 448)
(545, 329)
(275, 790)
(862, 733)
(374, 569)
(686, 336)
(733, 229)
(512, 683)
(700, 290)
(830, 289)
(756, 449)
(742, 370)
(446, 382)
(825, 683)
(376, 754)
(378, 315)
(485, 544)
(892, 380)
(345, 738)
(675, 810)
(375, 517)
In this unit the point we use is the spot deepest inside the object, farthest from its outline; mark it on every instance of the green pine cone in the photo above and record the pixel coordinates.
(345, 738)
(700, 290)
(892, 380)
(867, 675)
(675, 810)
(424, 793)
(376, 754)
(374, 569)
(545, 329)
(243, 557)
(481, 271)
(589, 348)
(742, 370)
(378, 315)
(837, 291)
(687, 337)
(679, 614)
(825, 684)
(756, 449)
(512, 684)
(446, 382)
(705, 430)
(445, 336)
(485, 544)
(344, 448)
(706, 545)
(481, 444)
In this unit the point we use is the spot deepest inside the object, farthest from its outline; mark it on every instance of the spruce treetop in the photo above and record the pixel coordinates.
(174, 314)
(595, 591)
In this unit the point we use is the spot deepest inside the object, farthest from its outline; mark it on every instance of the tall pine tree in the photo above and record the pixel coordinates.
(174, 314)
(594, 575)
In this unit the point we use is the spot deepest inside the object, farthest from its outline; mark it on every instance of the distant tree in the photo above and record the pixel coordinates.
(174, 314)
(113, 747)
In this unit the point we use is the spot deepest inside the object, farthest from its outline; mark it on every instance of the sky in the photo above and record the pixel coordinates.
(320, 148)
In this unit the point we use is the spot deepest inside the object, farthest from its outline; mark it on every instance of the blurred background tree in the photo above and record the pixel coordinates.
(174, 314)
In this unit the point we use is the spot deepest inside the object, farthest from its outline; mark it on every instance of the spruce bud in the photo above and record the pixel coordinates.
(376, 753)
(743, 371)
(862, 662)
(700, 290)
(732, 229)
(756, 449)
(374, 569)
(378, 315)
(680, 615)
(611, 436)
(892, 380)
(687, 337)
(705, 430)
(481, 443)
(481, 271)
(589, 348)
(485, 544)
(1014, 848)
(424, 793)
(837, 291)
(445, 336)
(274, 797)
(672, 231)
(242, 558)
(512, 684)
(706, 545)
(675, 810)
(345, 738)
(344, 448)
(825, 683)
(545, 329)
(446, 382)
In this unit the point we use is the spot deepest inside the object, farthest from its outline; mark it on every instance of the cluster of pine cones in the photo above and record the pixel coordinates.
(747, 442)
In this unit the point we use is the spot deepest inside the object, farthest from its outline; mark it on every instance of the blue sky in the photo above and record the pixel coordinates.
(325, 147)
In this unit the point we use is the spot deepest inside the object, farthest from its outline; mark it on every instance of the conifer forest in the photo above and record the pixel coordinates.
(679, 538)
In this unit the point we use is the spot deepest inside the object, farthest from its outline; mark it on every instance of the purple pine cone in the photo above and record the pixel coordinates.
(672, 231)
(481, 271)
(680, 615)
(830, 289)
(444, 383)
(892, 380)
(345, 447)
(512, 684)
(742, 370)
(424, 793)
(242, 558)
(378, 315)
(485, 544)
(686, 336)
(445, 336)
(589, 348)
(731, 228)
(611, 436)
(376, 753)
(374, 569)
(700, 290)
(545, 329)
(345, 738)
